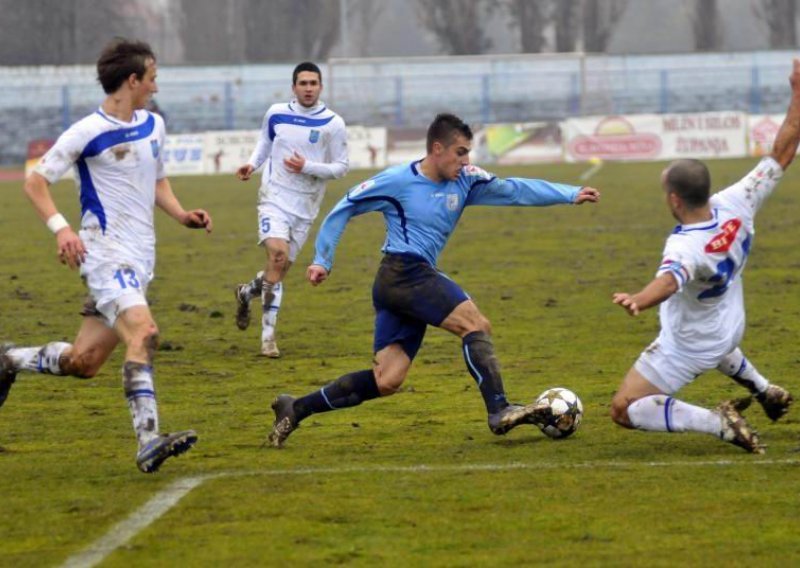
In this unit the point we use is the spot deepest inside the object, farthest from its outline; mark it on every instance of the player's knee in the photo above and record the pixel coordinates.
(279, 258)
(83, 365)
(481, 323)
(146, 340)
(619, 412)
(389, 381)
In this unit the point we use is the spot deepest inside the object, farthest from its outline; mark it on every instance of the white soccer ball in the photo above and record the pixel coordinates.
(567, 412)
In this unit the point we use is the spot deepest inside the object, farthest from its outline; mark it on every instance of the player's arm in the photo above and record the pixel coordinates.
(339, 163)
(330, 232)
(260, 152)
(659, 289)
(168, 202)
(361, 199)
(784, 148)
(70, 246)
(486, 189)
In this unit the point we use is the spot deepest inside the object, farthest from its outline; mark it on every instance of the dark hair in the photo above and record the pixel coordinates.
(690, 180)
(444, 128)
(306, 66)
(120, 59)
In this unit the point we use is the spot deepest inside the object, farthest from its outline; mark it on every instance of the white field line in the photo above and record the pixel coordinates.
(591, 171)
(167, 498)
(125, 530)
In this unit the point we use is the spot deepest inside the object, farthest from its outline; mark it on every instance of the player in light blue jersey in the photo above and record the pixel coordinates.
(302, 145)
(117, 156)
(421, 203)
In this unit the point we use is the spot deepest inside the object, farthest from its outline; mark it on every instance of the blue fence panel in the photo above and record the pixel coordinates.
(40, 102)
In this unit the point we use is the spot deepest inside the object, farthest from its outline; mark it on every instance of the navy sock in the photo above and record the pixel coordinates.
(348, 390)
(484, 368)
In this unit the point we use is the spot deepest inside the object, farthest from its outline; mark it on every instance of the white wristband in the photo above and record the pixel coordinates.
(57, 222)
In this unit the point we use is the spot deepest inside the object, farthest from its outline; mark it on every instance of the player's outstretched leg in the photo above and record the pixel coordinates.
(775, 400)
(345, 392)
(483, 366)
(154, 448)
(663, 413)
(736, 430)
(244, 293)
(285, 422)
(271, 296)
(513, 415)
(43, 359)
(163, 446)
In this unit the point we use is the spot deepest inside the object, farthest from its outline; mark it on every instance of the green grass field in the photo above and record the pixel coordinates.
(417, 479)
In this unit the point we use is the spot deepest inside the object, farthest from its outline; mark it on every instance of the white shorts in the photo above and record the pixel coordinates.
(114, 286)
(670, 370)
(275, 223)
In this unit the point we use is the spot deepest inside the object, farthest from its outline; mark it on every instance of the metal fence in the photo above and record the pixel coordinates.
(407, 92)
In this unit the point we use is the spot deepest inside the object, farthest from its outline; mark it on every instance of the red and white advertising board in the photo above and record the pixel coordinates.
(656, 137)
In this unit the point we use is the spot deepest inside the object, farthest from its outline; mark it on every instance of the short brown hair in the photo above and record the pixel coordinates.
(120, 59)
(444, 128)
(690, 180)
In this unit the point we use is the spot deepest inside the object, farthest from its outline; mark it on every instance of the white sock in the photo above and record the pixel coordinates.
(43, 359)
(737, 367)
(137, 380)
(269, 316)
(253, 288)
(662, 413)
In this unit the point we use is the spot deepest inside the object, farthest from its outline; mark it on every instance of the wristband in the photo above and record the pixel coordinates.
(57, 222)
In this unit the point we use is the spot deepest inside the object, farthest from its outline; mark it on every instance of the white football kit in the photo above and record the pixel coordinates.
(117, 165)
(705, 319)
(289, 202)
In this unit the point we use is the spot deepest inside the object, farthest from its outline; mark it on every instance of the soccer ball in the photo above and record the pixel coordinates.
(567, 412)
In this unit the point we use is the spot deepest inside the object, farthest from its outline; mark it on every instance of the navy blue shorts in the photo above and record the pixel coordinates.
(409, 294)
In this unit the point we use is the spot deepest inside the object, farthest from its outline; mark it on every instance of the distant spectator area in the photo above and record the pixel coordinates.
(40, 102)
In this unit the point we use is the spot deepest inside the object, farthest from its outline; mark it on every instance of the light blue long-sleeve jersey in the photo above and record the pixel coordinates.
(421, 214)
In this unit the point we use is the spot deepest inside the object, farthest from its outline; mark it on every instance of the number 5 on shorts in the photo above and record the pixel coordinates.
(131, 278)
(264, 224)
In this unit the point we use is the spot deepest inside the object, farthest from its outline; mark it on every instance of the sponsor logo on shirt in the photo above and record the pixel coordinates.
(722, 241)
(313, 136)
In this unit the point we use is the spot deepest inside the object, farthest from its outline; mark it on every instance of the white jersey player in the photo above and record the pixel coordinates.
(699, 289)
(116, 153)
(302, 145)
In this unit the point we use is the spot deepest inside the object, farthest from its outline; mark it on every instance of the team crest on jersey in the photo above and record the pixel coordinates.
(361, 188)
(154, 147)
(452, 201)
(313, 136)
(722, 241)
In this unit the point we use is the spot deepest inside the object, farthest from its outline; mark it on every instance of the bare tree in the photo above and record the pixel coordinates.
(706, 25)
(531, 17)
(566, 22)
(457, 23)
(599, 19)
(779, 15)
(44, 32)
(212, 31)
(287, 30)
(365, 12)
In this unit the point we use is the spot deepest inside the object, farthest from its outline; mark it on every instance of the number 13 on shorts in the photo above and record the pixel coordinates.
(126, 277)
